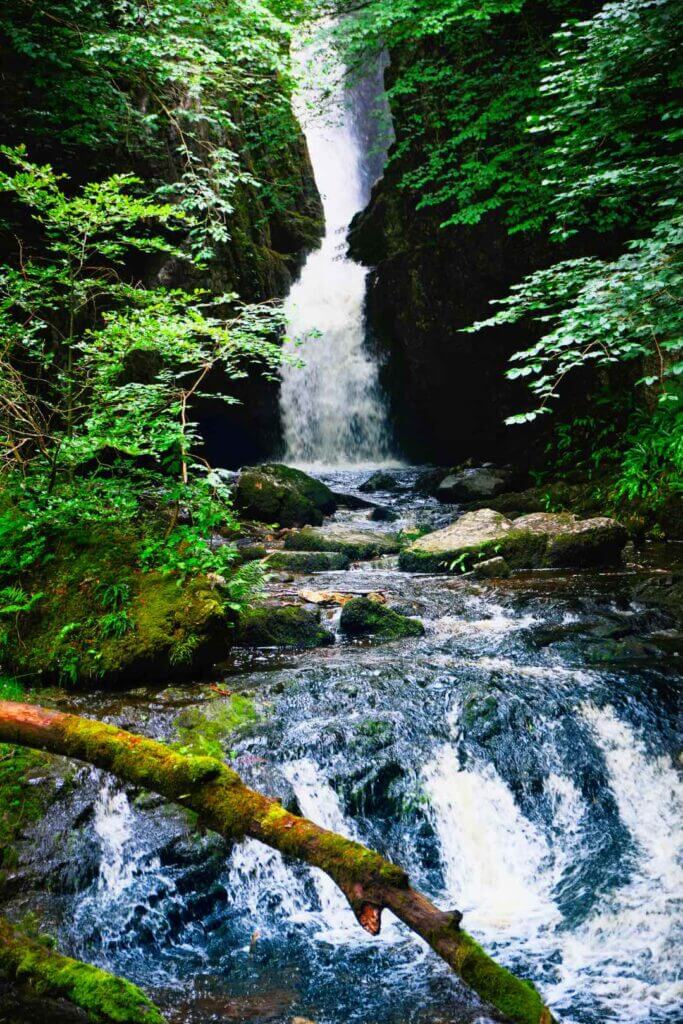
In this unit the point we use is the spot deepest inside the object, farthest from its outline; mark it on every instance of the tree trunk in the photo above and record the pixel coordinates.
(41, 972)
(226, 805)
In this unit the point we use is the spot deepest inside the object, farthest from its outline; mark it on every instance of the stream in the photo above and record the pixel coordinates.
(518, 760)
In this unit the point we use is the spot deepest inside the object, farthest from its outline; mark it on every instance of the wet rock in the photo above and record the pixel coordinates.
(533, 541)
(357, 544)
(278, 494)
(428, 481)
(383, 514)
(492, 568)
(352, 501)
(472, 483)
(379, 481)
(288, 626)
(365, 617)
(308, 561)
(337, 597)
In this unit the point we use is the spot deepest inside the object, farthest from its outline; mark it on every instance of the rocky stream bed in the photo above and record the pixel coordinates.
(515, 750)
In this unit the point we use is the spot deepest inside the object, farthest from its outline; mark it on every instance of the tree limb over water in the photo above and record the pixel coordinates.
(227, 806)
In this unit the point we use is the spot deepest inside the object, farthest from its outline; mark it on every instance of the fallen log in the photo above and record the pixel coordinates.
(227, 806)
(37, 970)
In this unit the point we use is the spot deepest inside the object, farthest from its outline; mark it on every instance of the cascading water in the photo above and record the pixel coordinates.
(517, 760)
(331, 407)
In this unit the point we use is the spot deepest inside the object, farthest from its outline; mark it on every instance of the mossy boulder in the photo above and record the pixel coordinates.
(307, 561)
(279, 494)
(103, 621)
(472, 483)
(379, 481)
(288, 626)
(356, 544)
(364, 617)
(532, 541)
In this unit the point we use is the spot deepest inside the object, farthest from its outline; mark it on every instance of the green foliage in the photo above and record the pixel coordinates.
(190, 84)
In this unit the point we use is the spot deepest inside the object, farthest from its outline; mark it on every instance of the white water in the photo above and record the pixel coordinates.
(627, 953)
(113, 824)
(331, 408)
(494, 861)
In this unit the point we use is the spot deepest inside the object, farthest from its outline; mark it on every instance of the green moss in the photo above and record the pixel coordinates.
(62, 639)
(105, 998)
(518, 999)
(363, 617)
(356, 545)
(520, 549)
(21, 801)
(206, 734)
(279, 494)
(289, 626)
(308, 561)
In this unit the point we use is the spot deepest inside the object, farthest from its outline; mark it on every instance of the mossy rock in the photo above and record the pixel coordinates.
(364, 617)
(289, 626)
(279, 494)
(307, 561)
(172, 630)
(379, 481)
(356, 544)
(542, 539)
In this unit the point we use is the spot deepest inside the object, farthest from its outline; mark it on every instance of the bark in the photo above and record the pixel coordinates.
(227, 806)
(39, 971)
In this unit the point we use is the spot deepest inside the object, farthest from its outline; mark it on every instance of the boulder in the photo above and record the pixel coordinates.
(307, 561)
(364, 616)
(470, 484)
(383, 514)
(379, 481)
(281, 626)
(533, 541)
(492, 568)
(357, 544)
(279, 494)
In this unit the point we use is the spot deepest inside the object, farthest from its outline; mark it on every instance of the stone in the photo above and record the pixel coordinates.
(357, 544)
(383, 514)
(492, 568)
(379, 481)
(541, 539)
(337, 597)
(366, 617)
(307, 561)
(473, 483)
(281, 626)
(275, 493)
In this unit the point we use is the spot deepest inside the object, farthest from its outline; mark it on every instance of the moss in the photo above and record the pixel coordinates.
(21, 801)
(363, 617)
(518, 999)
(308, 561)
(355, 544)
(289, 626)
(105, 998)
(62, 639)
(279, 494)
(205, 734)
(520, 549)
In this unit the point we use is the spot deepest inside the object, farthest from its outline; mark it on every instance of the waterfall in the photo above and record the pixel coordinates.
(627, 951)
(495, 863)
(331, 407)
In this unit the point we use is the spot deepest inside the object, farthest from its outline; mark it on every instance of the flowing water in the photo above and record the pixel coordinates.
(331, 407)
(520, 760)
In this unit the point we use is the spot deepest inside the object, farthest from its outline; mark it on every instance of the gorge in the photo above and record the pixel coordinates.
(259, 504)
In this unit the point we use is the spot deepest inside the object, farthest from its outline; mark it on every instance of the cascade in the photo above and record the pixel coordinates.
(331, 407)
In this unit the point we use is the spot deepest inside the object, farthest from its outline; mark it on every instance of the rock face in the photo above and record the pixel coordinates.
(365, 617)
(474, 483)
(357, 544)
(288, 626)
(278, 494)
(532, 541)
